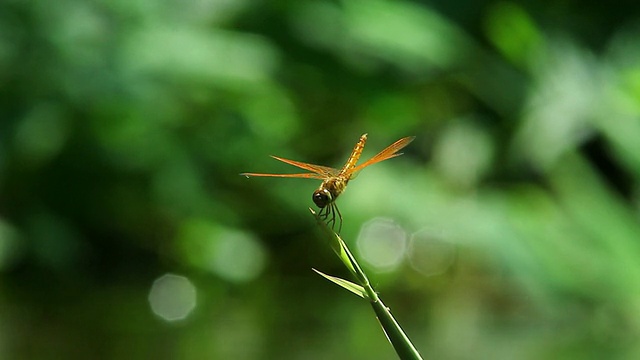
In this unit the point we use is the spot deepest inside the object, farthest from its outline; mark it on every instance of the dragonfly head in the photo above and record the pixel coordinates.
(322, 197)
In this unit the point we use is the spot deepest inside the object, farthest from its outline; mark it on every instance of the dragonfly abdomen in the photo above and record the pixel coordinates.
(355, 155)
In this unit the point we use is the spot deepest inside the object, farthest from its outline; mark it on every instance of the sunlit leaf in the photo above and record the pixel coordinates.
(345, 284)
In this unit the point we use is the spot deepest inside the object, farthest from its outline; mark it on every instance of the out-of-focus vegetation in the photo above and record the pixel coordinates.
(509, 229)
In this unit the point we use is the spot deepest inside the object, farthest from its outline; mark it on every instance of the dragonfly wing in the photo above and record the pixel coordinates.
(389, 152)
(303, 176)
(325, 171)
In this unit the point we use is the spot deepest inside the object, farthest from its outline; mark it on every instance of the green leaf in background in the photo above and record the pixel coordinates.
(124, 124)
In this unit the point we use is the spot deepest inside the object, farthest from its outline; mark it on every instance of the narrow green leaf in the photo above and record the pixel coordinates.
(354, 288)
(394, 333)
(353, 263)
(336, 243)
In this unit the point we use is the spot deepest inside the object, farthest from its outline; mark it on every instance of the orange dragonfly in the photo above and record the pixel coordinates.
(334, 181)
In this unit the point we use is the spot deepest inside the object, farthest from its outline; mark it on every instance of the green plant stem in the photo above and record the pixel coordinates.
(394, 333)
(396, 336)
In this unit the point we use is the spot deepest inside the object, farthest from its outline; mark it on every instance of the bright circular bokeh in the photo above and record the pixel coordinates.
(172, 297)
(234, 255)
(430, 253)
(382, 243)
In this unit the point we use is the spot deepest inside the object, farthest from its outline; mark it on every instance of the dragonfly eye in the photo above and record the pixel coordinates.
(321, 197)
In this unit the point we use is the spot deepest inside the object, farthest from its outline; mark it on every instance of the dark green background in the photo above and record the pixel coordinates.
(124, 125)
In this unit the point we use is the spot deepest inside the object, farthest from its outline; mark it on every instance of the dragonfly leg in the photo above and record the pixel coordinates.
(332, 220)
(339, 217)
(324, 213)
(328, 214)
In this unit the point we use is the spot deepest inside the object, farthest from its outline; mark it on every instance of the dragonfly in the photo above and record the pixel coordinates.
(334, 181)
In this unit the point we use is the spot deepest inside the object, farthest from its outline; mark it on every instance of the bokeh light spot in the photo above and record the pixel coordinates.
(238, 257)
(382, 243)
(463, 154)
(429, 253)
(41, 134)
(172, 297)
(234, 255)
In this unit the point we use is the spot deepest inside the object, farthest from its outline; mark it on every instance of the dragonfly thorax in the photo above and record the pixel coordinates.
(329, 190)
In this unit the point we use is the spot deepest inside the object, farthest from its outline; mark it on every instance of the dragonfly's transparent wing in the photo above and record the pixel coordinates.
(390, 152)
(317, 171)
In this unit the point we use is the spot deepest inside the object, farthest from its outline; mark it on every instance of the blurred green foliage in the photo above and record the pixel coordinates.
(124, 126)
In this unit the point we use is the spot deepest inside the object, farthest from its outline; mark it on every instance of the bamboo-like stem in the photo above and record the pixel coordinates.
(394, 333)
